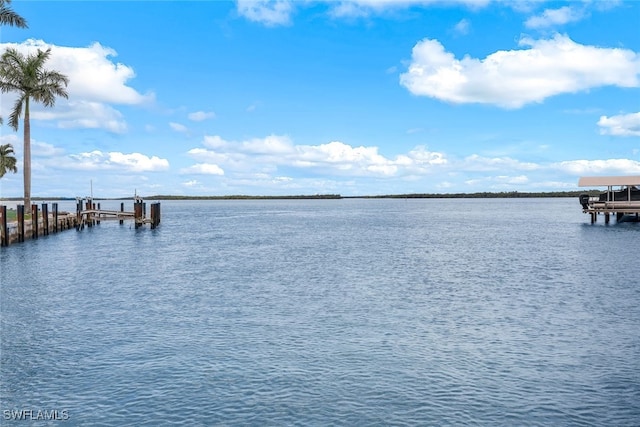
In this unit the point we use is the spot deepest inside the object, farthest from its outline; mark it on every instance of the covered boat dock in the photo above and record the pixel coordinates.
(624, 201)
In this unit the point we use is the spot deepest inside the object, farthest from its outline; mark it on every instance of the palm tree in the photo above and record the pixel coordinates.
(26, 76)
(7, 160)
(9, 17)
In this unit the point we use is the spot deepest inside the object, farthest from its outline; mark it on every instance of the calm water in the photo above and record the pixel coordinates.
(328, 312)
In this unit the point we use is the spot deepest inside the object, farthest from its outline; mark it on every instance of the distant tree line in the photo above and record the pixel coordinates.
(244, 197)
(478, 195)
(486, 195)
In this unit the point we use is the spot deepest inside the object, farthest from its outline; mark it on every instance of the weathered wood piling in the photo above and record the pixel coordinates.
(43, 221)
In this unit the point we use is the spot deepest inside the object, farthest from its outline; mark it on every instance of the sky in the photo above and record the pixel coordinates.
(355, 98)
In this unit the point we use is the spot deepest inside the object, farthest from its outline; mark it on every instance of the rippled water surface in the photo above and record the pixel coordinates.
(318, 312)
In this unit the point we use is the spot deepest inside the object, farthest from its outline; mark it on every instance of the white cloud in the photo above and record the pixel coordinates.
(475, 162)
(279, 12)
(511, 79)
(200, 116)
(363, 8)
(499, 181)
(133, 162)
(92, 74)
(214, 142)
(621, 125)
(555, 17)
(43, 149)
(204, 169)
(191, 183)
(84, 114)
(268, 12)
(266, 155)
(462, 27)
(599, 167)
(178, 127)
(272, 144)
(95, 81)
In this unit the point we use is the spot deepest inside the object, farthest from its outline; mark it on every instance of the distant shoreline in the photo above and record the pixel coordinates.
(478, 195)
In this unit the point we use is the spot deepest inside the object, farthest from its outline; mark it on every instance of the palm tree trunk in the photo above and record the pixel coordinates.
(26, 168)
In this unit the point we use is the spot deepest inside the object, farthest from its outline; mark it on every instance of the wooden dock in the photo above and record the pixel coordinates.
(92, 214)
(43, 221)
(624, 203)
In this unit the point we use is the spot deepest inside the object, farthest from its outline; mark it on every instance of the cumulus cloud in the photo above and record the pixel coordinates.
(555, 17)
(511, 79)
(268, 12)
(95, 82)
(204, 169)
(43, 149)
(266, 155)
(132, 162)
(200, 116)
(273, 13)
(363, 8)
(599, 167)
(499, 181)
(475, 162)
(178, 127)
(84, 114)
(620, 125)
(93, 76)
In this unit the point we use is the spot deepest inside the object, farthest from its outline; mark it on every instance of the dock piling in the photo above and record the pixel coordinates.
(20, 213)
(45, 219)
(43, 215)
(4, 232)
(138, 213)
(54, 209)
(34, 221)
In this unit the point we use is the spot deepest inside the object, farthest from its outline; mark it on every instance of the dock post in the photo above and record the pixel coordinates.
(121, 210)
(89, 218)
(54, 210)
(20, 213)
(137, 210)
(155, 215)
(34, 221)
(593, 217)
(4, 233)
(619, 216)
(98, 222)
(45, 219)
(78, 214)
(606, 218)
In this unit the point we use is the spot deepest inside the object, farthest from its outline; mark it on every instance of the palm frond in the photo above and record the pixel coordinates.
(16, 113)
(9, 17)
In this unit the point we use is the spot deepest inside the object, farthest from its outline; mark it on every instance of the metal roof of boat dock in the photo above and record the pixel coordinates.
(600, 181)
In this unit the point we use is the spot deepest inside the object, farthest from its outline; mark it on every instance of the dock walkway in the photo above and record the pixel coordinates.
(43, 222)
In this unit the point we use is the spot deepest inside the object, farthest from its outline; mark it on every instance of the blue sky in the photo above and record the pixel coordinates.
(310, 97)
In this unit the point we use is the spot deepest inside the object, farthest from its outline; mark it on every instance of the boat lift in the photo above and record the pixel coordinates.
(622, 203)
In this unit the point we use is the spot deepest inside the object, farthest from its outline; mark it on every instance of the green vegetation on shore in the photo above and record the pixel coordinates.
(484, 195)
(479, 195)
